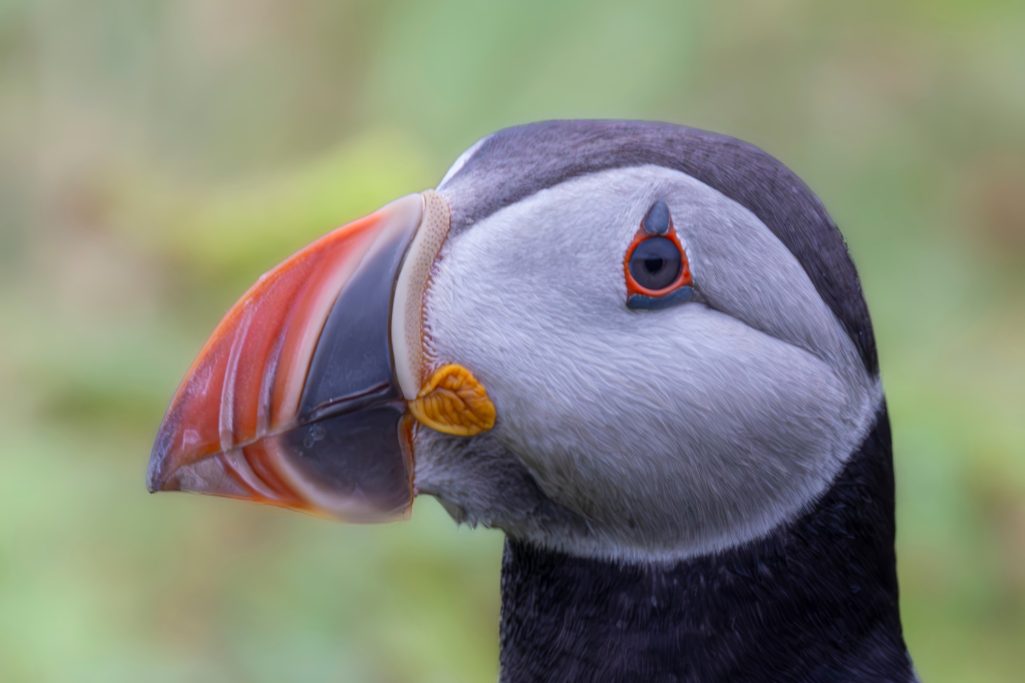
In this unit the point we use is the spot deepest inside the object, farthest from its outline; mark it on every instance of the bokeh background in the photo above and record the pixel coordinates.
(156, 157)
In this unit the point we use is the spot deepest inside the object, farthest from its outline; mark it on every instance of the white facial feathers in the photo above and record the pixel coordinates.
(670, 432)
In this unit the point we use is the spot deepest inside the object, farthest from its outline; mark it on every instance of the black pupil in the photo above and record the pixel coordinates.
(655, 263)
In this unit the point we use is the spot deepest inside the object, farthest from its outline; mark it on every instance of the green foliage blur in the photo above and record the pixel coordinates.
(156, 157)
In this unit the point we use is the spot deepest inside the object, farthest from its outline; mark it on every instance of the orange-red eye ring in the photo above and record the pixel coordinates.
(657, 224)
(682, 279)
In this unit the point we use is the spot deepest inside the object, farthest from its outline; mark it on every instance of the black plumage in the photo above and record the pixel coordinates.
(814, 601)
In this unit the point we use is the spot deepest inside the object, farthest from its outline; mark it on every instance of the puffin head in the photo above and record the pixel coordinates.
(612, 338)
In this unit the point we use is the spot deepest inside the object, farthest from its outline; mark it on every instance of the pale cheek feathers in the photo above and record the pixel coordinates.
(672, 433)
(695, 445)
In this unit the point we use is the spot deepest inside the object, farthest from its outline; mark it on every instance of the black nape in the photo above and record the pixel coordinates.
(814, 601)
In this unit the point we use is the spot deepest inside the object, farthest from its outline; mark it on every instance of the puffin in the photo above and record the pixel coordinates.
(640, 350)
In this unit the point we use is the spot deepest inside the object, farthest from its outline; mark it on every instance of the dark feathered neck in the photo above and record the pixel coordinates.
(815, 601)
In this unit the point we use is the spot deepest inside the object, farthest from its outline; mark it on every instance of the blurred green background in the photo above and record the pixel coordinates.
(156, 157)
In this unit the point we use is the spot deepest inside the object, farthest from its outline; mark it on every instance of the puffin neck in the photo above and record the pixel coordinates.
(814, 601)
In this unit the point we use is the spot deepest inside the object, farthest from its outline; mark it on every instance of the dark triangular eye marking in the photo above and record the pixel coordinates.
(655, 265)
(657, 220)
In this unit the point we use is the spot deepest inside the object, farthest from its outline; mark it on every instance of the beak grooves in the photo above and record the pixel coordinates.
(247, 383)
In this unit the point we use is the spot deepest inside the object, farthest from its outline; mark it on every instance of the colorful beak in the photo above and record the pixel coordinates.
(299, 397)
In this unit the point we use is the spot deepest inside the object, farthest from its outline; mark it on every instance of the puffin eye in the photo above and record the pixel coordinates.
(655, 263)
